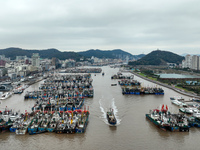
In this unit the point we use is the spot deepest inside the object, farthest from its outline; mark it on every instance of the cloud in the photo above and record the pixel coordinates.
(134, 26)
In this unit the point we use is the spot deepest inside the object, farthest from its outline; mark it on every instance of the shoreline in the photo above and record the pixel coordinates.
(167, 86)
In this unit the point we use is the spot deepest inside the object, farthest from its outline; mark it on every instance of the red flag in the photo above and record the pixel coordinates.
(166, 107)
(163, 106)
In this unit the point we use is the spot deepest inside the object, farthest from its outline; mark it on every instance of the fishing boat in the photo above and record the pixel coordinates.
(44, 123)
(53, 123)
(164, 120)
(6, 120)
(16, 119)
(33, 127)
(23, 126)
(60, 126)
(154, 117)
(82, 121)
(111, 117)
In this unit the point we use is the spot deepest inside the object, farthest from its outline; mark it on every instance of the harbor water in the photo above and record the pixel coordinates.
(133, 130)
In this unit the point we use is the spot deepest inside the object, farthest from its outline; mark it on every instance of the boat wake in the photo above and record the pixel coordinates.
(103, 116)
(115, 110)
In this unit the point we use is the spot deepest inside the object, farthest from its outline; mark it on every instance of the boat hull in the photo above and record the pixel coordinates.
(155, 122)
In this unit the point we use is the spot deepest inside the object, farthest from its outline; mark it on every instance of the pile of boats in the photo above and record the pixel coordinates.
(81, 70)
(17, 90)
(55, 94)
(189, 116)
(130, 86)
(129, 83)
(119, 75)
(142, 90)
(20, 89)
(164, 120)
(57, 108)
(44, 121)
(190, 108)
(63, 85)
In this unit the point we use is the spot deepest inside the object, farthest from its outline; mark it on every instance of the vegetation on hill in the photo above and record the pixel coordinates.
(158, 57)
(114, 54)
(49, 53)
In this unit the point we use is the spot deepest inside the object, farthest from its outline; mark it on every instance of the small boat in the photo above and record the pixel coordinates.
(111, 117)
(178, 103)
(113, 84)
(37, 132)
(5, 95)
(176, 98)
(103, 73)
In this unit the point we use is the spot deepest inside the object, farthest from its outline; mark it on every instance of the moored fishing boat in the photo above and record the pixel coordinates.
(6, 120)
(45, 122)
(33, 127)
(23, 126)
(82, 121)
(53, 123)
(60, 125)
(167, 121)
(16, 124)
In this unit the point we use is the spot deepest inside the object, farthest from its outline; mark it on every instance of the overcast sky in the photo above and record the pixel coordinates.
(136, 26)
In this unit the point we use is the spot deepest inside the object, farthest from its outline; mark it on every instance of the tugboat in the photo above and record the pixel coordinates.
(111, 117)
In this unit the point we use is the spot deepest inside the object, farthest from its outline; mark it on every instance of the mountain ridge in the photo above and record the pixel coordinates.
(12, 52)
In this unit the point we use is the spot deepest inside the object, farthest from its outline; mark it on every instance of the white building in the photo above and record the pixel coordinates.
(195, 62)
(187, 63)
(36, 60)
(192, 62)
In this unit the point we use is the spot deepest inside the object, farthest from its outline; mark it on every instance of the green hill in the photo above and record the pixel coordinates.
(158, 57)
(49, 53)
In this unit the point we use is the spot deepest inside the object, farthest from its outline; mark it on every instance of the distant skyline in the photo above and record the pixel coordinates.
(134, 26)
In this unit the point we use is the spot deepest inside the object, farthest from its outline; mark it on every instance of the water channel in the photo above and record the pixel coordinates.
(133, 130)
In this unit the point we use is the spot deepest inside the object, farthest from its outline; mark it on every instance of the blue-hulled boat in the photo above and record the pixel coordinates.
(111, 117)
